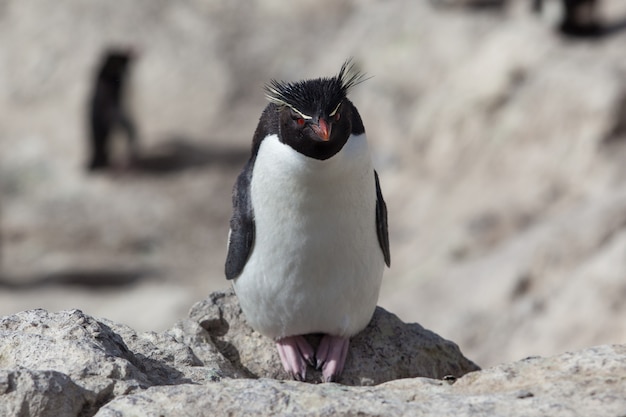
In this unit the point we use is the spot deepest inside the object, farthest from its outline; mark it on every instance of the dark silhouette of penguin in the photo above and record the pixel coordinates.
(579, 18)
(107, 110)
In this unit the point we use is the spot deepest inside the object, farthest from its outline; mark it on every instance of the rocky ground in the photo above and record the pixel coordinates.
(500, 144)
(213, 364)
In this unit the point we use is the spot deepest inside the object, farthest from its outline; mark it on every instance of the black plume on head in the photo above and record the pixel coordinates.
(309, 96)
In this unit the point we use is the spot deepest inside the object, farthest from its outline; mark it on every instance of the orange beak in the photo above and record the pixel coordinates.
(322, 129)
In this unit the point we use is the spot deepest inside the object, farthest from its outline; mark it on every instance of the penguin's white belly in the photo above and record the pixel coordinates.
(316, 265)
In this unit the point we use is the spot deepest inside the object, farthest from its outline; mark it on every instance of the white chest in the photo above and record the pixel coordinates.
(316, 265)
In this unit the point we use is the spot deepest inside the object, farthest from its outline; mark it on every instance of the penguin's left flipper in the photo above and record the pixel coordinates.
(241, 236)
(381, 222)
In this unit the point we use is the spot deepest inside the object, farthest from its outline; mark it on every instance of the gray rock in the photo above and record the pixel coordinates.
(25, 392)
(74, 344)
(589, 382)
(387, 349)
(69, 363)
(98, 360)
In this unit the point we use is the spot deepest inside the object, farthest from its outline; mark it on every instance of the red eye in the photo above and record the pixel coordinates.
(300, 121)
(337, 116)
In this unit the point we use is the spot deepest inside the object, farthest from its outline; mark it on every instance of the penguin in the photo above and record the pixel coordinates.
(308, 240)
(106, 110)
(579, 18)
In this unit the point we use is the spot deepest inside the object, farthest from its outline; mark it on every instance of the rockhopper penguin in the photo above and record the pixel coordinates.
(107, 110)
(308, 238)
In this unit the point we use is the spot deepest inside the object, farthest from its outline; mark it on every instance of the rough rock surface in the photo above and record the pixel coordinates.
(91, 361)
(387, 349)
(72, 362)
(591, 382)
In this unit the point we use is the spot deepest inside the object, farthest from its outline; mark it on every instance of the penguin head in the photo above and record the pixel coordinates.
(115, 64)
(315, 116)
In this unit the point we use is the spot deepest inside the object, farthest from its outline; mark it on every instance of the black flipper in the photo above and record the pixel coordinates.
(381, 222)
(241, 225)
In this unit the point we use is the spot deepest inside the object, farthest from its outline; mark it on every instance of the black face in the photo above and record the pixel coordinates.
(320, 134)
(315, 116)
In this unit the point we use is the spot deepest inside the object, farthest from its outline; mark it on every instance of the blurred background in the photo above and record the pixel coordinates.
(498, 129)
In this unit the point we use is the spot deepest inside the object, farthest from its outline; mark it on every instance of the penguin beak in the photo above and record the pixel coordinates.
(322, 129)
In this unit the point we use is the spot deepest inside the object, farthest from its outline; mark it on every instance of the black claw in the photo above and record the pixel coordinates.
(297, 377)
(332, 378)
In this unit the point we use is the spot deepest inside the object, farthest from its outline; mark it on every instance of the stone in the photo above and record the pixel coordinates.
(387, 349)
(25, 392)
(69, 363)
(588, 382)
(98, 359)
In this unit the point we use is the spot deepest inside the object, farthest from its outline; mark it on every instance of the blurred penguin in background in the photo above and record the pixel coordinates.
(579, 18)
(107, 108)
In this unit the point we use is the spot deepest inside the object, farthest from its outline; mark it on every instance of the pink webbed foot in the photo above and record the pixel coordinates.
(295, 352)
(331, 356)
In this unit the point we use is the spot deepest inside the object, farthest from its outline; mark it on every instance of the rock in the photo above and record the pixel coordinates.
(71, 363)
(387, 349)
(26, 392)
(98, 359)
(589, 382)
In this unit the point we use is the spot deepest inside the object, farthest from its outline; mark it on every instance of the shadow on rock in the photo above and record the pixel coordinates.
(86, 278)
(178, 154)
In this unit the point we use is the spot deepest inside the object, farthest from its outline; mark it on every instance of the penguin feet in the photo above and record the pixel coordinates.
(295, 352)
(331, 356)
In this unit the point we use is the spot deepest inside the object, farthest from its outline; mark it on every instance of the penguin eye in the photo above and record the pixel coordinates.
(337, 116)
(300, 121)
